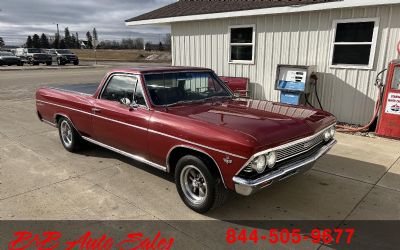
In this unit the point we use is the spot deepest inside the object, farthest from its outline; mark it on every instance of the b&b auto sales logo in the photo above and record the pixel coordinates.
(53, 240)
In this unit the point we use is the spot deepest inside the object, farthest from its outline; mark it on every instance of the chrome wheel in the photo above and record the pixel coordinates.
(66, 133)
(193, 184)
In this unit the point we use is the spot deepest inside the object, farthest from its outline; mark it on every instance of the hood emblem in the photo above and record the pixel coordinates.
(227, 160)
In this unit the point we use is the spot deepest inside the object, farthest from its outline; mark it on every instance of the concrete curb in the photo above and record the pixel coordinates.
(54, 68)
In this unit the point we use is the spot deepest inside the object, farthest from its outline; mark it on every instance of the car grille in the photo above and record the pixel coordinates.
(290, 151)
(298, 148)
(40, 57)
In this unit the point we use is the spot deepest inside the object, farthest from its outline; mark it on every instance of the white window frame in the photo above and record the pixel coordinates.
(253, 44)
(372, 43)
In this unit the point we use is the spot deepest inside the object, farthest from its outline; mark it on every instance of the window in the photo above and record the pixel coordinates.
(241, 44)
(354, 43)
(173, 88)
(120, 87)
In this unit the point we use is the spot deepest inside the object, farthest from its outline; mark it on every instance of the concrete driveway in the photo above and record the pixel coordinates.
(358, 180)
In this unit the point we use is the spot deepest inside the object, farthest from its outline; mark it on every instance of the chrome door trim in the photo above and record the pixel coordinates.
(129, 155)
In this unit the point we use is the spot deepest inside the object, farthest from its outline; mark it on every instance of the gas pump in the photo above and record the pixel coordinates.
(389, 120)
(294, 82)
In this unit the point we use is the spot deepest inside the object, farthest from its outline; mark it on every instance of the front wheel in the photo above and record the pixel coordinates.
(69, 137)
(49, 63)
(199, 189)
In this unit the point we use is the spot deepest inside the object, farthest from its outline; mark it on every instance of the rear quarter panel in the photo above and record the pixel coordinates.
(77, 107)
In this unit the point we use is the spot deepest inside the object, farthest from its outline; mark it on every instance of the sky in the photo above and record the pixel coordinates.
(20, 18)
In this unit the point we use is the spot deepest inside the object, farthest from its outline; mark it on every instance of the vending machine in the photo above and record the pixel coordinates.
(389, 119)
(293, 81)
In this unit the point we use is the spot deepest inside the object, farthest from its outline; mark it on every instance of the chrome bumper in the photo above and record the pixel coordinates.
(248, 187)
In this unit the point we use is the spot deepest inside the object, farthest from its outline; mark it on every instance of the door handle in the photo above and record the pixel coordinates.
(94, 110)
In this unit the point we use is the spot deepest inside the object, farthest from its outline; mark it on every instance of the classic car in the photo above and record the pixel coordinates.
(187, 122)
(8, 58)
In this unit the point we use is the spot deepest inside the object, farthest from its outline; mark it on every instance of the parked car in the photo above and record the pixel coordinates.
(8, 58)
(63, 56)
(33, 56)
(186, 121)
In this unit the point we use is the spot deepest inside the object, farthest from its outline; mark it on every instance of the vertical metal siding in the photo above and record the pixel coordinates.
(298, 38)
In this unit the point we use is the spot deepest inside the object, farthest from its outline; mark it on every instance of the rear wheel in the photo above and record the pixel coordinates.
(199, 189)
(49, 63)
(76, 62)
(69, 137)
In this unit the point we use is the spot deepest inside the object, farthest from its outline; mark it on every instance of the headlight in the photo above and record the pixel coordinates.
(271, 159)
(259, 164)
(327, 135)
(332, 131)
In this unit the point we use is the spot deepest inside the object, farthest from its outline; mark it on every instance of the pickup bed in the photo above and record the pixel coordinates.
(186, 121)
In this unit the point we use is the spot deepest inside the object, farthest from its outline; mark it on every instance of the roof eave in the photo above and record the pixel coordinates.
(264, 11)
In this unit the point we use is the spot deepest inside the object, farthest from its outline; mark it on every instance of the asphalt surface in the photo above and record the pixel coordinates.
(359, 179)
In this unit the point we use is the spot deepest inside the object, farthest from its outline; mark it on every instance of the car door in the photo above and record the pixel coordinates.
(53, 54)
(116, 121)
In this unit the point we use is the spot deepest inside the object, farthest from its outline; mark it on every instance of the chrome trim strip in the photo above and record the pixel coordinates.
(285, 146)
(248, 187)
(48, 122)
(195, 149)
(149, 130)
(69, 91)
(132, 156)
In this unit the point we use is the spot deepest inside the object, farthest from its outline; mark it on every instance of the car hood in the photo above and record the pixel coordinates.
(269, 123)
(8, 57)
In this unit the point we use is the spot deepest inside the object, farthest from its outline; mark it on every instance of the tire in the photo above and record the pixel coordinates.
(49, 63)
(69, 137)
(35, 63)
(21, 64)
(206, 192)
(76, 63)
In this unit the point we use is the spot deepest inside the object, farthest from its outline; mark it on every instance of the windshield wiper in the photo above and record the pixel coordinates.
(217, 97)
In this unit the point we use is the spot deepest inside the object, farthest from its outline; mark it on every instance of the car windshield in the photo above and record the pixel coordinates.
(6, 53)
(64, 52)
(174, 88)
(35, 51)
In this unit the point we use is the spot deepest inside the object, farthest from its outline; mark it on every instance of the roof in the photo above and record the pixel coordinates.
(189, 10)
(158, 69)
(195, 7)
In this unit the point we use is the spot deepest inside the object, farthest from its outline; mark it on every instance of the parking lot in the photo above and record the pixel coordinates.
(358, 180)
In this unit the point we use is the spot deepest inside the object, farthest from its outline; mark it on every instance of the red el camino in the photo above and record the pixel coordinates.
(186, 121)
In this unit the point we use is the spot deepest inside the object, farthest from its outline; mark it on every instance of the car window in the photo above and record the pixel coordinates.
(171, 88)
(123, 86)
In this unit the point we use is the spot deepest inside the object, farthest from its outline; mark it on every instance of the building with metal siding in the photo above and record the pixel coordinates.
(301, 35)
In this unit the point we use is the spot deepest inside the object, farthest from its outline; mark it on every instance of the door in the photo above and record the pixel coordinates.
(121, 116)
